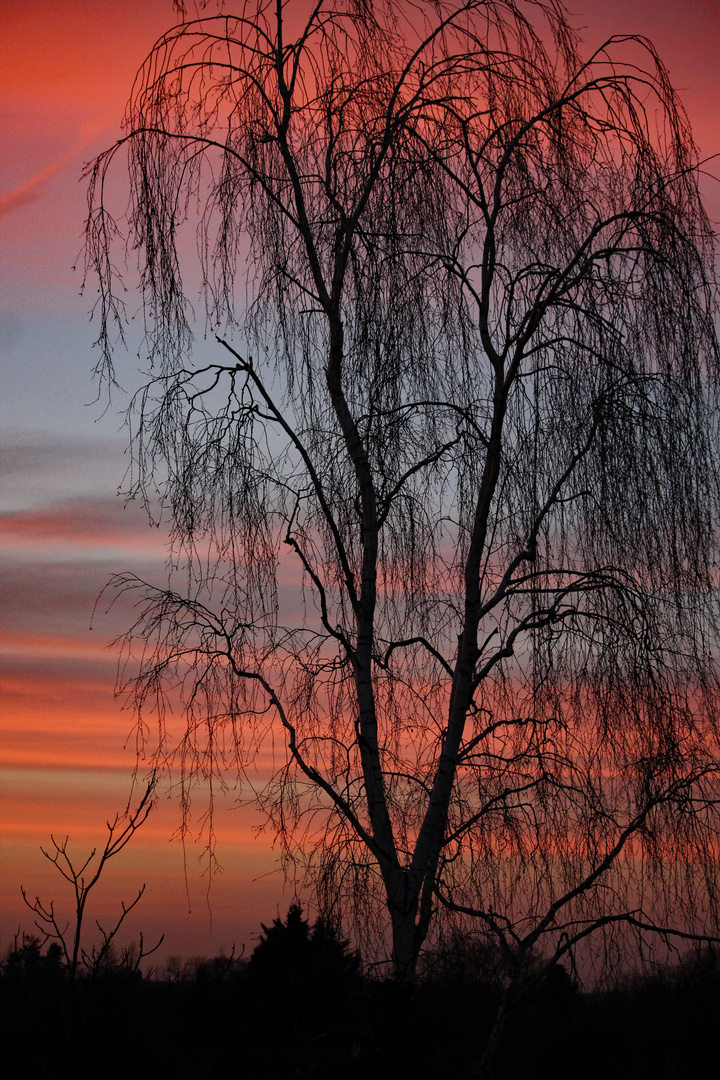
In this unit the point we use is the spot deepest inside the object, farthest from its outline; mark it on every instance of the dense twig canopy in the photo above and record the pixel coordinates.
(447, 491)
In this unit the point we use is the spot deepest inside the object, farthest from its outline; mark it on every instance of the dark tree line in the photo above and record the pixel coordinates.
(300, 1007)
(444, 495)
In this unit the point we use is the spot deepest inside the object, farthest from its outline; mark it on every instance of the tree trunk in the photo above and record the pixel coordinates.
(490, 1066)
(405, 944)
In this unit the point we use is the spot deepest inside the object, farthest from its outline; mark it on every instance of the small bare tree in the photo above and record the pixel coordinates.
(447, 496)
(93, 961)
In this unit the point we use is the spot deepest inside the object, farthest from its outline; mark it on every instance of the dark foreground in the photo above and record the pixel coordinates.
(298, 1015)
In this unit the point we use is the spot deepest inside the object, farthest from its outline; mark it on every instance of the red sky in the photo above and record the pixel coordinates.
(66, 67)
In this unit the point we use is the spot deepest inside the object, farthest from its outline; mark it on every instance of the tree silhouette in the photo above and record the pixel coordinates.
(83, 878)
(445, 497)
(308, 976)
(304, 957)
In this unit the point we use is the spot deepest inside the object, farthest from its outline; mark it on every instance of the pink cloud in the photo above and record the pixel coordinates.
(82, 523)
(28, 190)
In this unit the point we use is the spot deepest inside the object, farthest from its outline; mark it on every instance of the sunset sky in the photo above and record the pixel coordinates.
(66, 67)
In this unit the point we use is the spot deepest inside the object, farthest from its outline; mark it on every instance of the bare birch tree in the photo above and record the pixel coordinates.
(444, 497)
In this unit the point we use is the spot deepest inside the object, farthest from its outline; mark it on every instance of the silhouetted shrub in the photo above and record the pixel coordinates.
(291, 954)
